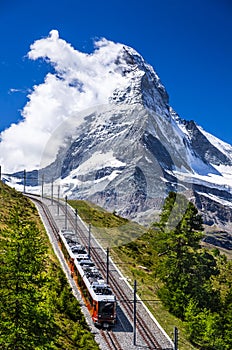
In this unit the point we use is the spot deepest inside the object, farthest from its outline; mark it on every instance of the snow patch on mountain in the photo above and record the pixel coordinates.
(221, 145)
(99, 160)
(209, 180)
(216, 199)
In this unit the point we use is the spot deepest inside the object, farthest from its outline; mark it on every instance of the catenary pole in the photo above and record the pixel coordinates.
(24, 180)
(175, 338)
(107, 265)
(58, 202)
(76, 212)
(66, 213)
(52, 192)
(42, 186)
(89, 240)
(134, 327)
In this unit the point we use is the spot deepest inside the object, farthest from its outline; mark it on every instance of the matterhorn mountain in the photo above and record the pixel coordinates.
(128, 154)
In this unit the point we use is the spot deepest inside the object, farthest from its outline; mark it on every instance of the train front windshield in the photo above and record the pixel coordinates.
(106, 308)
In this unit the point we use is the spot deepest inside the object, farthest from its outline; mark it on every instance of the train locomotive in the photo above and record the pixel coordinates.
(98, 296)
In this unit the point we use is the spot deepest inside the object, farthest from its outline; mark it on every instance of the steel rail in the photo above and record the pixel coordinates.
(148, 338)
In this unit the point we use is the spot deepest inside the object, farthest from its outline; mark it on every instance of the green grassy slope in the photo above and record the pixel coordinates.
(69, 330)
(110, 229)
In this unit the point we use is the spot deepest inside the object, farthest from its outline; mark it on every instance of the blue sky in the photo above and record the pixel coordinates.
(189, 44)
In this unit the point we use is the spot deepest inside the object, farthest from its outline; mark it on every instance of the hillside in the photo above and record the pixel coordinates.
(140, 260)
(37, 309)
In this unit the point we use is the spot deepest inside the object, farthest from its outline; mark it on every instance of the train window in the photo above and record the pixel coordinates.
(106, 308)
(86, 263)
(102, 290)
(78, 250)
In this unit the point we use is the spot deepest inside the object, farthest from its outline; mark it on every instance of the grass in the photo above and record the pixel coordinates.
(147, 286)
(8, 198)
(110, 229)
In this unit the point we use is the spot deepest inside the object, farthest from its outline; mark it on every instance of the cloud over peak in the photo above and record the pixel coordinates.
(77, 81)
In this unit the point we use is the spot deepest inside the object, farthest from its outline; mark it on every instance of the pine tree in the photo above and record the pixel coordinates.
(184, 269)
(25, 321)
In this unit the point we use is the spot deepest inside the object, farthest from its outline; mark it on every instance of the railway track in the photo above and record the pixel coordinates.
(148, 337)
(122, 297)
(125, 301)
(111, 340)
(47, 214)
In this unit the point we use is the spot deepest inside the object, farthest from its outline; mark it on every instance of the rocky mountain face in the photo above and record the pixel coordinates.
(128, 154)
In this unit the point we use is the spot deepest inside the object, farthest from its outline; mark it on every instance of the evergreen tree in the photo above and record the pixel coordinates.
(184, 269)
(25, 321)
(196, 282)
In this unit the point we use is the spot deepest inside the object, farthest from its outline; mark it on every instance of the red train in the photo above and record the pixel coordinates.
(97, 295)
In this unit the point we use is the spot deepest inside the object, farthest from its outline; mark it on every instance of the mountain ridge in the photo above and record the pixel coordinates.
(128, 154)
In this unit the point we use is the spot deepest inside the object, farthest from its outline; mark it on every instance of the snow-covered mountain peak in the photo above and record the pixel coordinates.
(127, 153)
(142, 85)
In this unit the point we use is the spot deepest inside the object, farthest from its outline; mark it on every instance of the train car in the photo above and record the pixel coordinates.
(98, 296)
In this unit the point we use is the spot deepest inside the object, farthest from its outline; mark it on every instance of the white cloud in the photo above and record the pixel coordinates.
(79, 81)
(13, 90)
